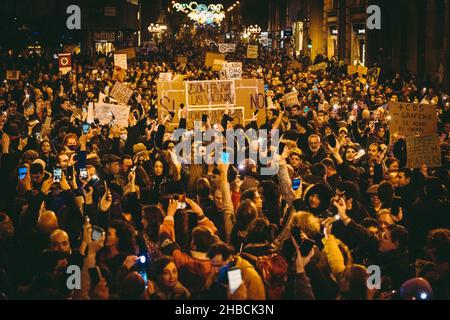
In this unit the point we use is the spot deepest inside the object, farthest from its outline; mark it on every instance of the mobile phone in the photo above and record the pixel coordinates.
(70, 173)
(395, 205)
(96, 233)
(57, 174)
(331, 140)
(266, 87)
(306, 245)
(92, 182)
(204, 118)
(296, 183)
(83, 174)
(234, 279)
(181, 202)
(22, 172)
(360, 154)
(144, 276)
(85, 127)
(133, 169)
(225, 157)
(95, 275)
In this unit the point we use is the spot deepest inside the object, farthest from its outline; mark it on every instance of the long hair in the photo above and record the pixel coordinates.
(126, 235)
(154, 216)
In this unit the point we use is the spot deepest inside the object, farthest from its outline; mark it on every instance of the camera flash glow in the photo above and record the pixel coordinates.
(142, 259)
(241, 167)
(389, 118)
(423, 296)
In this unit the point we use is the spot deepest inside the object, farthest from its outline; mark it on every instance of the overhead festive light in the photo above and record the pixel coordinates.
(201, 13)
(254, 29)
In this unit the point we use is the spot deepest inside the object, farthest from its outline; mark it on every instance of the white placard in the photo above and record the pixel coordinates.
(227, 47)
(104, 111)
(120, 60)
(231, 70)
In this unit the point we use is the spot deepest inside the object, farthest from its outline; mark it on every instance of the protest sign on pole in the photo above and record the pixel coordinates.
(165, 76)
(231, 70)
(121, 93)
(211, 56)
(423, 150)
(120, 60)
(12, 74)
(291, 99)
(252, 51)
(409, 119)
(210, 93)
(105, 111)
(227, 47)
(318, 67)
(65, 62)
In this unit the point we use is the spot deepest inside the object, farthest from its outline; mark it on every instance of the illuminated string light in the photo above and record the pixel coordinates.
(201, 13)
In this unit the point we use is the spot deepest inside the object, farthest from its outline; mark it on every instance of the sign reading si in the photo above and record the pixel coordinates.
(408, 119)
(210, 93)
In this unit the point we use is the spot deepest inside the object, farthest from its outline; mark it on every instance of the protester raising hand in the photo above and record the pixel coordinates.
(106, 201)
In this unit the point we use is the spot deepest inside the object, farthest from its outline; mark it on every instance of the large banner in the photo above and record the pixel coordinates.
(227, 47)
(211, 56)
(120, 60)
(423, 150)
(212, 97)
(410, 119)
(231, 70)
(65, 62)
(121, 93)
(105, 112)
(252, 51)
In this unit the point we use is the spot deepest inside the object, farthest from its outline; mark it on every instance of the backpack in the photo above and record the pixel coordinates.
(273, 271)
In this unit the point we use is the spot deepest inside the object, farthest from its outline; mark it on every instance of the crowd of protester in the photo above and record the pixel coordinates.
(141, 224)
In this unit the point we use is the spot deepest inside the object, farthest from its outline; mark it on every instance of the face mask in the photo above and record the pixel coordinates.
(72, 148)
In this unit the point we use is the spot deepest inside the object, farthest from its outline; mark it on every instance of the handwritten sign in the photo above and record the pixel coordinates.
(227, 47)
(408, 119)
(318, 67)
(211, 56)
(210, 93)
(291, 99)
(252, 51)
(14, 74)
(423, 150)
(104, 111)
(165, 76)
(120, 60)
(121, 93)
(231, 70)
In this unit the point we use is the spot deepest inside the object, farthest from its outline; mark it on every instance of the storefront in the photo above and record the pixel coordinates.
(358, 50)
(104, 41)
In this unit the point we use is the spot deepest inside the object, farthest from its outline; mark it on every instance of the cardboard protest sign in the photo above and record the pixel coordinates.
(13, 74)
(373, 75)
(423, 150)
(65, 62)
(318, 67)
(104, 111)
(227, 47)
(210, 93)
(130, 52)
(165, 76)
(352, 69)
(231, 70)
(295, 65)
(121, 93)
(362, 70)
(120, 60)
(182, 60)
(252, 51)
(408, 119)
(217, 65)
(211, 56)
(291, 99)
(207, 97)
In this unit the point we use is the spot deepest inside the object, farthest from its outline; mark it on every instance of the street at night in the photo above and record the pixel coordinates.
(232, 150)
